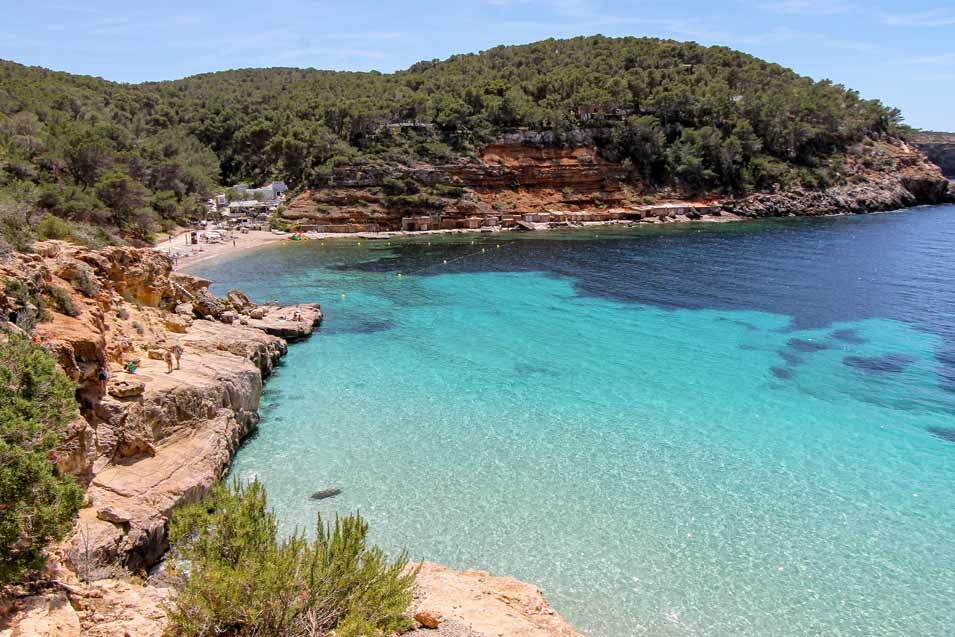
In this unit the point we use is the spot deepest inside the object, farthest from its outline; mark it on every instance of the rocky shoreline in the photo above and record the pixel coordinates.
(156, 438)
(527, 182)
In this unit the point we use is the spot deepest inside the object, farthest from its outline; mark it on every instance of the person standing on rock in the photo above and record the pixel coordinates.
(168, 358)
(103, 377)
(177, 352)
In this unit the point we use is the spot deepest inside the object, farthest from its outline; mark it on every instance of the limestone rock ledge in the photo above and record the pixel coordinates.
(477, 604)
(168, 445)
(150, 440)
(48, 614)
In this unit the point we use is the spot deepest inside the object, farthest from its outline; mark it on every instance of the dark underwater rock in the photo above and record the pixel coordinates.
(886, 364)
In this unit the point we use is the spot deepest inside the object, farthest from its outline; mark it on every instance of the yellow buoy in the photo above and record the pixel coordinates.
(343, 295)
(399, 275)
(359, 243)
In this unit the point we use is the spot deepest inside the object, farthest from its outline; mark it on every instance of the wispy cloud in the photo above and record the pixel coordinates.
(325, 52)
(945, 59)
(367, 36)
(808, 7)
(578, 14)
(944, 16)
(934, 77)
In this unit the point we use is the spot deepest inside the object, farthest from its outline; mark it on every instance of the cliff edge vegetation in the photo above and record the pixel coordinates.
(37, 504)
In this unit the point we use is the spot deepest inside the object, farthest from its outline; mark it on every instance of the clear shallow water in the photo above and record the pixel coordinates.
(745, 429)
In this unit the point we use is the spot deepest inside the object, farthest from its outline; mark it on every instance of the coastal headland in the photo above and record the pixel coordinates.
(153, 435)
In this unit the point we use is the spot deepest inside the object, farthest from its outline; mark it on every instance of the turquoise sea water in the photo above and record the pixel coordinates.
(744, 429)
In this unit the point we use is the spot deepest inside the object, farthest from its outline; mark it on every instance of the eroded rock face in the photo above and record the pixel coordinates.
(909, 179)
(486, 605)
(531, 172)
(109, 608)
(168, 443)
(152, 439)
(45, 615)
(940, 149)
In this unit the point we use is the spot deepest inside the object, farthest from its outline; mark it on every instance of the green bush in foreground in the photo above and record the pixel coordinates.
(36, 505)
(242, 580)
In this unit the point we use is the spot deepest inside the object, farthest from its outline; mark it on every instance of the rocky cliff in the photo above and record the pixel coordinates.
(524, 175)
(152, 439)
(939, 148)
(886, 175)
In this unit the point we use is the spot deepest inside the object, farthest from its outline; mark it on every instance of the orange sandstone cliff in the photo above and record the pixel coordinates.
(529, 177)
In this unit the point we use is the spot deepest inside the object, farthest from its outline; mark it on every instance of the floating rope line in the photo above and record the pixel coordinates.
(446, 261)
(399, 275)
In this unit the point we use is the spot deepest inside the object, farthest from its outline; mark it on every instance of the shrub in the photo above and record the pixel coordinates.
(413, 202)
(37, 505)
(276, 223)
(166, 204)
(84, 281)
(454, 192)
(15, 232)
(241, 580)
(52, 227)
(392, 186)
(142, 223)
(63, 302)
(27, 304)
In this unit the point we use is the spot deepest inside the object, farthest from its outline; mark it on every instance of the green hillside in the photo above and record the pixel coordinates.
(135, 157)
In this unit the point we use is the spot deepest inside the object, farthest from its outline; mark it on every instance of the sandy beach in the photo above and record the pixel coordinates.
(185, 254)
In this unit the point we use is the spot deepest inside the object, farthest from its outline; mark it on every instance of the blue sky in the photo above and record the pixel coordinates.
(900, 52)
